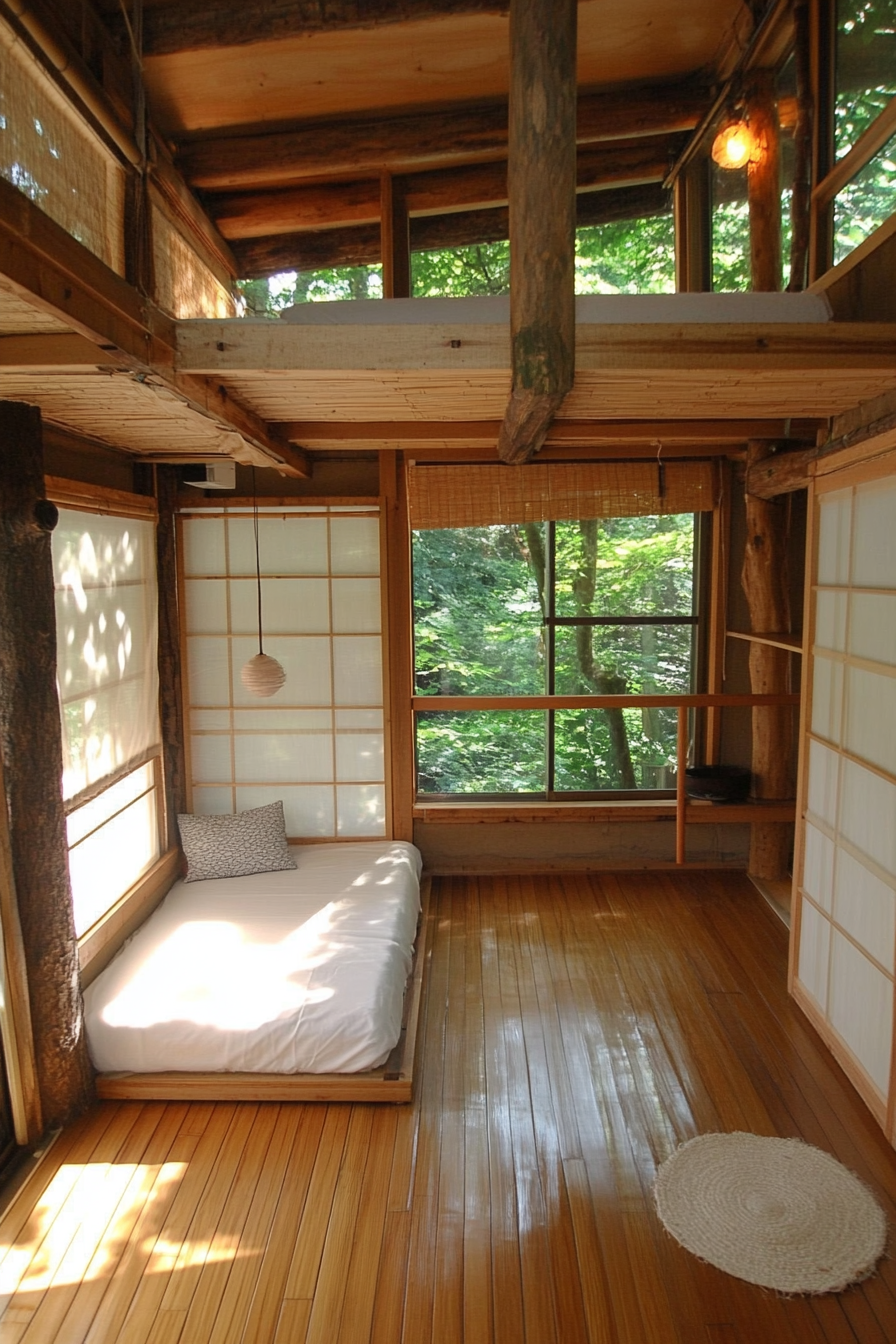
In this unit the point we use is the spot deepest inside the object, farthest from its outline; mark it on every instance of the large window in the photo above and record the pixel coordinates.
(106, 626)
(862, 182)
(603, 605)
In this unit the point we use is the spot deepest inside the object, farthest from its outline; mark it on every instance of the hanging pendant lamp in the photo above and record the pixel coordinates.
(262, 675)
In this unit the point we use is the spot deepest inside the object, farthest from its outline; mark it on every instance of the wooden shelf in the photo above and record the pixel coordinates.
(792, 643)
(753, 810)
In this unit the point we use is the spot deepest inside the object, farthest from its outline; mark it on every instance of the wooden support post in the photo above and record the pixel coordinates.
(398, 650)
(31, 743)
(681, 801)
(170, 691)
(764, 184)
(801, 198)
(693, 228)
(541, 181)
(764, 579)
(395, 239)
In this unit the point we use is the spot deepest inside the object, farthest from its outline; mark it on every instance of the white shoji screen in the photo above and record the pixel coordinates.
(847, 878)
(318, 744)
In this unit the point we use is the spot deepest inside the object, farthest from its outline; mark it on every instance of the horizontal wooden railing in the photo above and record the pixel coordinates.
(683, 704)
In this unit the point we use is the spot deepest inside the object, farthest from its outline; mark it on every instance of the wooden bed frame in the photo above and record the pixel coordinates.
(392, 1082)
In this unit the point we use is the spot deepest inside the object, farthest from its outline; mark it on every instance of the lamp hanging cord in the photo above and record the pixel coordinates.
(257, 557)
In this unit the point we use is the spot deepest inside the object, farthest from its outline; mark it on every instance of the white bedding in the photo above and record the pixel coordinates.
(300, 971)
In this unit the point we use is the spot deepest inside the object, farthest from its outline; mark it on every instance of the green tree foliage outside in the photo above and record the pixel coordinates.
(865, 67)
(481, 596)
(626, 257)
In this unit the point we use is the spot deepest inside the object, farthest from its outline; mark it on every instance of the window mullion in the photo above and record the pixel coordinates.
(550, 644)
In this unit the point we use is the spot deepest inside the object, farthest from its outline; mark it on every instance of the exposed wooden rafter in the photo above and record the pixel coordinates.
(199, 24)
(484, 185)
(404, 144)
(359, 245)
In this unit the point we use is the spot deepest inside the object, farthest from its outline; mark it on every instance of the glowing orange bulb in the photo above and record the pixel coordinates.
(733, 146)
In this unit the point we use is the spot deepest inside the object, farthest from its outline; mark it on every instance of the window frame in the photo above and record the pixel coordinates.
(833, 176)
(132, 904)
(708, 622)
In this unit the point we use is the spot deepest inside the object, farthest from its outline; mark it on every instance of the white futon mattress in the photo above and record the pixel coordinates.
(300, 971)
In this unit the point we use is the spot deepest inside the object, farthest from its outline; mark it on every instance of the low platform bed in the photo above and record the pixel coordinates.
(281, 986)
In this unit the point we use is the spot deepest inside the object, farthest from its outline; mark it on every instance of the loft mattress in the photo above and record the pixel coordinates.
(302, 971)
(614, 309)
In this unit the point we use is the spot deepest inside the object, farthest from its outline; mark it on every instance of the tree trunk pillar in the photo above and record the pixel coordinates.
(764, 183)
(764, 579)
(541, 187)
(31, 743)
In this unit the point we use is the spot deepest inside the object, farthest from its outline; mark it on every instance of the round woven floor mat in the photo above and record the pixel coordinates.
(772, 1211)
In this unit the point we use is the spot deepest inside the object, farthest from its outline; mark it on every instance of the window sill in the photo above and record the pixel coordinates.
(455, 813)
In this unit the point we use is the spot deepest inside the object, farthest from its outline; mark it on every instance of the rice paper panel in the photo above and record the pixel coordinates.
(297, 758)
(356, 606)
(357, 670)
(354, 545)
(874, 540)
(286, 545)
(360, 757)
(309, 809)
(288, 606)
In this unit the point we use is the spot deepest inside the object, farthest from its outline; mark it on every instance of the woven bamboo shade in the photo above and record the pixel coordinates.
(482, 495)
(51, 155)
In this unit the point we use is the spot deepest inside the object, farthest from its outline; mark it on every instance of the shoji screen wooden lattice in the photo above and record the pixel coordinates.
(318, 744)
(845, 914)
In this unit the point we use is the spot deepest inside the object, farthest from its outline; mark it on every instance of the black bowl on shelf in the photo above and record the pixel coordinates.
(718, 783)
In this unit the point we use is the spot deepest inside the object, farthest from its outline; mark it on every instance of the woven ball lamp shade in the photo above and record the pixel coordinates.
(262, 675)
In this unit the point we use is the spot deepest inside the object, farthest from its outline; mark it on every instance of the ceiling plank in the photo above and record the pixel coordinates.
(194, 25)
(414, 142)
(253, 214)
(360, 245)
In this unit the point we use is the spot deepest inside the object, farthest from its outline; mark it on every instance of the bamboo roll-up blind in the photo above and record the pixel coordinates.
(481, 495)
(54, 158)
(185, 286)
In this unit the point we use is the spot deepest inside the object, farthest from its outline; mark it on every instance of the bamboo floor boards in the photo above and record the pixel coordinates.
(576, 1029)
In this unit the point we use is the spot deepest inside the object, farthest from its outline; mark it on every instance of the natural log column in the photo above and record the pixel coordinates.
(764, 183)
(801, 199)
(170, 698)
(395, 239)
(693, 228)
(764, 579)
(541, 180)
(31, 742)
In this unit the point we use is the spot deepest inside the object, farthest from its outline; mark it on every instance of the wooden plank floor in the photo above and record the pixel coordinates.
(577, 1028)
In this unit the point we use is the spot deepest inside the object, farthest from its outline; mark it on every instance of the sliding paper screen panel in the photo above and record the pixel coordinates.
(845, 929)
(318, 744)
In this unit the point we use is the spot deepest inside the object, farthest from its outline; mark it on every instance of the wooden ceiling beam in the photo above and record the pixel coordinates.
(424, 140)
(253, 214)
(712, 434)
(196, 25)
(360, 245)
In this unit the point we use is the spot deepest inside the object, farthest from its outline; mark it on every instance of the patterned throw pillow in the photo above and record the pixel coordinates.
(234, 846)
